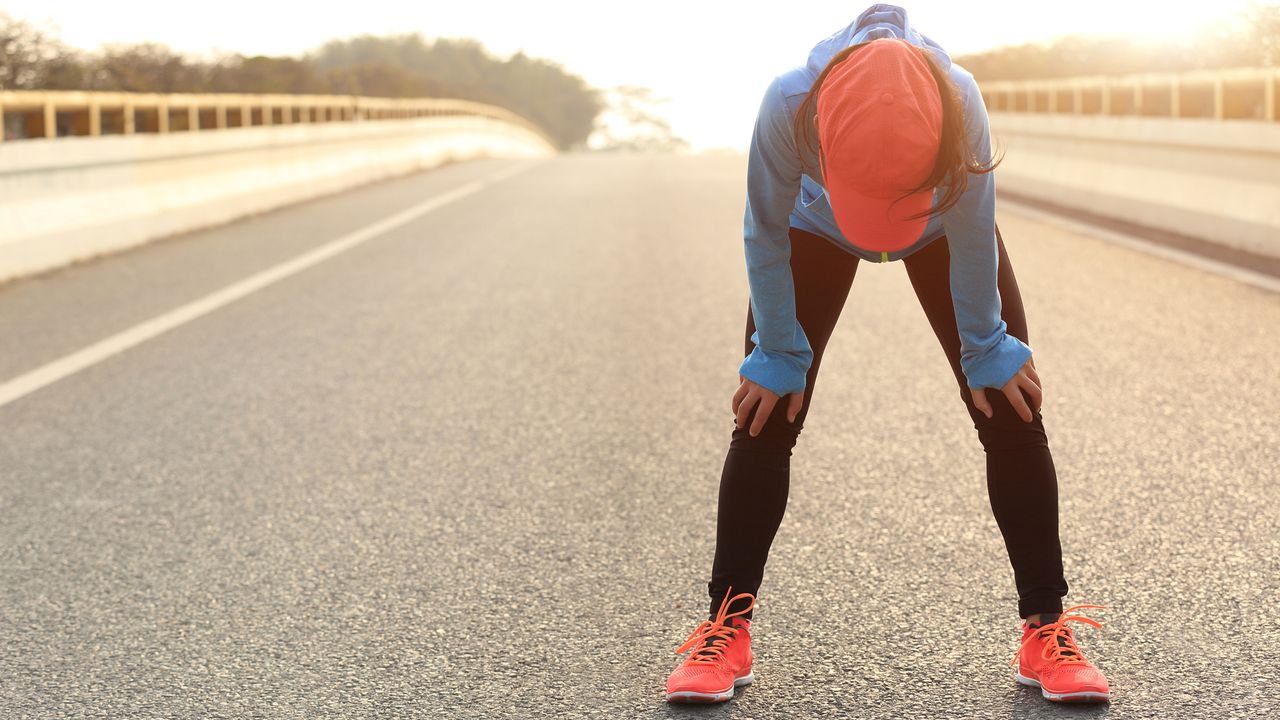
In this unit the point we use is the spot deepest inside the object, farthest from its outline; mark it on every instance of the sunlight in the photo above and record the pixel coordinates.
(712, 59)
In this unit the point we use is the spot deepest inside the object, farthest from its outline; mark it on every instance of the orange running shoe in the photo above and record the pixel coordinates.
(721, 657)
(1050, 660)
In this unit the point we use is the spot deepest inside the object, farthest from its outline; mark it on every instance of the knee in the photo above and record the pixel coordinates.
(1005, 430)
(778, 437)
(1015, 435)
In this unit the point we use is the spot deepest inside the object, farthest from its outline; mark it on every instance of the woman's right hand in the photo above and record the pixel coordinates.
(1025, 379)
(749, 395)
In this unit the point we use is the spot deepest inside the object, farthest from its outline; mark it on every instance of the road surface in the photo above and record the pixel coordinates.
(467, 469)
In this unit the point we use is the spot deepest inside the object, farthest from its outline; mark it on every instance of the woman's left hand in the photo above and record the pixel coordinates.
(1025, 379)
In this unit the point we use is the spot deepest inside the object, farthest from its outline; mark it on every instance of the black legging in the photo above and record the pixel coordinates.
(1021, 481)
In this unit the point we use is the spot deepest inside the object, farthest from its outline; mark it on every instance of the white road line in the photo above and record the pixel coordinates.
(65, 366)
(1244, 275)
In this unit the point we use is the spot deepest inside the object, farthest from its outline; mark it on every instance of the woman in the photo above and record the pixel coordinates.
(879, 150)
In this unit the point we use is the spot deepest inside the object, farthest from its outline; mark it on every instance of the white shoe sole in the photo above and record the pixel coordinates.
(697, 697)
(1063, 697)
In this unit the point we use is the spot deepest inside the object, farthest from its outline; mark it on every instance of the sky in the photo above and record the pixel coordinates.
(711, 59)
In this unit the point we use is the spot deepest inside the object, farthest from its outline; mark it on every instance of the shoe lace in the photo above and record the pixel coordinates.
(712, 637)
(1061, 646)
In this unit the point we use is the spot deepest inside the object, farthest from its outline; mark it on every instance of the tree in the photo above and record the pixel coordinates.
(632, 123)
(408, 65)
(30, 59)
(1249, 39)
(1264, 22)
(146, 67)
(399, 66)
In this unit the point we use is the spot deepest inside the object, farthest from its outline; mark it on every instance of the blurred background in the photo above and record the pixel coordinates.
(693, 71)
(374, 359)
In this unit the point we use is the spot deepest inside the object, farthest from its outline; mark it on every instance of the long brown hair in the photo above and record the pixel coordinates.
(955, 156)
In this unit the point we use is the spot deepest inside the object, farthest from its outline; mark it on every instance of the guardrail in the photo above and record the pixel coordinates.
(62, 113)
(1198, 179)
(1235, 94)
(152, 166)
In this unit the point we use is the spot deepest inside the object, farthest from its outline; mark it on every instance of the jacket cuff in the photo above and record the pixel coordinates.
(997, 365)
(780, 373)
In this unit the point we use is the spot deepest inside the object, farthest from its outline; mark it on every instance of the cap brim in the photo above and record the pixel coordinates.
(879, 224)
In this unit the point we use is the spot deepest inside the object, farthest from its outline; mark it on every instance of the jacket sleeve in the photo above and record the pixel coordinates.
(989, 356)
(782, 354)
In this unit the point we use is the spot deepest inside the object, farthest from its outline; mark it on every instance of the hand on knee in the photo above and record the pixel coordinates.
(1022, 392)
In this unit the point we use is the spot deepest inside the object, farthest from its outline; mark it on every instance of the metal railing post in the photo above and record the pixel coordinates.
(50, 119)
(1269, 95)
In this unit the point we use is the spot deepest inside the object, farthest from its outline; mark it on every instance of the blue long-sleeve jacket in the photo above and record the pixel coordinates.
(785, 189)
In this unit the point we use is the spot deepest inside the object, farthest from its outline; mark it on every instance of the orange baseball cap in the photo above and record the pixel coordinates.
(879, 128)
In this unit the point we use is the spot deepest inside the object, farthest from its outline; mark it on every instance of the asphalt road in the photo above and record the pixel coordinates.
(468, 469)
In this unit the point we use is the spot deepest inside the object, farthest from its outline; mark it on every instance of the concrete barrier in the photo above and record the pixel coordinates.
(72, 198)
(1211, 180)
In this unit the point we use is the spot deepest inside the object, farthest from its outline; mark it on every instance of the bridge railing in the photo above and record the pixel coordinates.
(1233, 94)
(150, 166)
(55, 113)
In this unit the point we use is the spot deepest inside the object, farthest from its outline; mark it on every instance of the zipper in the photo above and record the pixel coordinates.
(884, 256)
